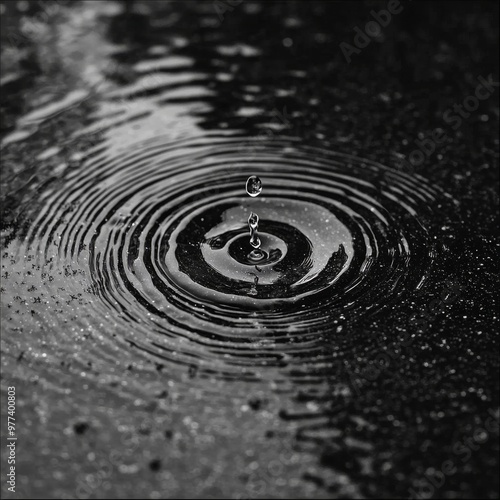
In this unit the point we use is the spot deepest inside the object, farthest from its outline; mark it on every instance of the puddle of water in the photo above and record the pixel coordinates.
(126, 245)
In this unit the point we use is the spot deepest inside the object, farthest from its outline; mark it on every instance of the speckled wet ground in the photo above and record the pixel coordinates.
(109, 115)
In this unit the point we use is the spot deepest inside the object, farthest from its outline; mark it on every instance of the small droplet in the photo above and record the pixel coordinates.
(253, 224)
(254, 186)
(255, 241)
(253, 221)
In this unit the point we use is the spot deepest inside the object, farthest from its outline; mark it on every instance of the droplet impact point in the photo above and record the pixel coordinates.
(256, 255)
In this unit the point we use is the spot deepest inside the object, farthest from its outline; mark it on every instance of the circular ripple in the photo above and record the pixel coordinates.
(304, 246)
(162, 229)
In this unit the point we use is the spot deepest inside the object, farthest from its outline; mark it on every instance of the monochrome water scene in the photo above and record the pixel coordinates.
(249, 249)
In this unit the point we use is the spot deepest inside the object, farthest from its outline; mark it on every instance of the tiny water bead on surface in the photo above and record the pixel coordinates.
(254, 186)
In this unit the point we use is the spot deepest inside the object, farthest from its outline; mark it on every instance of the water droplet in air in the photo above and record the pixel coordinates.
(254, 186)
(253, 221)
(253, 224)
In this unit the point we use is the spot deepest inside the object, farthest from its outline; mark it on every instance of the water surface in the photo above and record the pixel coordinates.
(351, 360)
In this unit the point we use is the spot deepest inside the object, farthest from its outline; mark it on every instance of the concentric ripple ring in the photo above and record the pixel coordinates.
(162, 231)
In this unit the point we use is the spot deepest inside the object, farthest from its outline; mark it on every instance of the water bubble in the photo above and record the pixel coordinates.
(254, 186)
